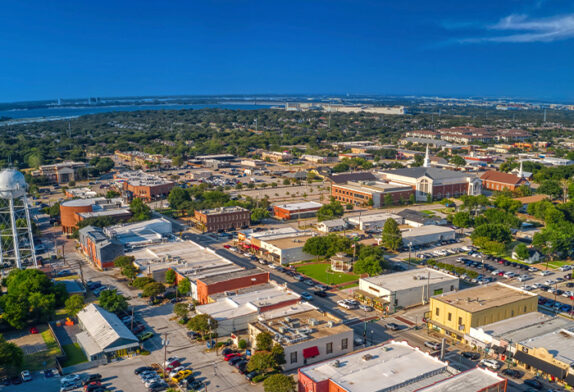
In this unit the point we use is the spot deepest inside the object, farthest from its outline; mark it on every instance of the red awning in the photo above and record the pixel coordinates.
(310, 352)
(254, 247)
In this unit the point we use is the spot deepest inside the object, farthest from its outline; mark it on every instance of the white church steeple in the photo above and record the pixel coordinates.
(426, 162)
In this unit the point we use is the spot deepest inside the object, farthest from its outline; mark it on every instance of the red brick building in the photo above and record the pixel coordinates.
(143, 186)
(229, 282)
(306, 209)
(498, 181)
(372, 193)
(223, 218)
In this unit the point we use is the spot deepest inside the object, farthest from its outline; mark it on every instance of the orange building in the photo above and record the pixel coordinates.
(306, 209)
(208, 286)
(499, 181)
(143, 186)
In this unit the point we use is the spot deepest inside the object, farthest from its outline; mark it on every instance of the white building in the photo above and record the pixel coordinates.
(140, 233)
(408, 288)
(373, 222)
(427, 234)
(332, 225)
(286, 250)
(308, 337)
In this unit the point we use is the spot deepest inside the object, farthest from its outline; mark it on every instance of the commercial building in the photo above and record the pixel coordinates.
(133, 235)
(499, 181)
(138, 184)
(430, 182)
(427, 235)
(188, 260)
(344, 178)
(143, 159)
(332, 225)
(228, 282)
(104, 336)
(80, 193)
(373, 222)
(372, 193)
(287, 249)
(276, 156)
(98, 248)
(456, 313)
(394, 366)
(307, 337)
(314, 158)
(223, 218)
(234, 312)
(300, 210)
(404, 289)
(76, 210)
(60, 172)
(417, 218)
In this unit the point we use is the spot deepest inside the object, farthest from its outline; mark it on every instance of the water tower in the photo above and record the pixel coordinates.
(16, 240)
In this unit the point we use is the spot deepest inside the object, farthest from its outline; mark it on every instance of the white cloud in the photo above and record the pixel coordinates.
(521, 29)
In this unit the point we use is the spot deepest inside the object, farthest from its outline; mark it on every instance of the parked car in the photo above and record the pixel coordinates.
(228, 357)
(491, 364)
(306, 296)
(26, 376)
(512, 373)
(366, 308)
(432, 345)
(70, 378)
(471, 355)
(320, 293)
(142, 369)
(393, 326)
(92, 377)
(531, 382)
(145, 336)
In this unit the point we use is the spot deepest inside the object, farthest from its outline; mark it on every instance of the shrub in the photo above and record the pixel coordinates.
(258, 378)
(242, 344)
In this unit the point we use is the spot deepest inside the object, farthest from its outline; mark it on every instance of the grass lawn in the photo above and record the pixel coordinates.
(37, 360)
(348, 286)
(428, 212)
(74, 354)
(557, 263)
(319, 273)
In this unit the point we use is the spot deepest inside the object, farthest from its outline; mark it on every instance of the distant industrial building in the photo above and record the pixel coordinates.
(373, 222)
(299, 210)
(405, 289)
(223, 218)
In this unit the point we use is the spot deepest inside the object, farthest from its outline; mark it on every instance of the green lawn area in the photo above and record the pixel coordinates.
(319, 273)
(74, 354)
(36, 361)
(557, 263)
(428, 212)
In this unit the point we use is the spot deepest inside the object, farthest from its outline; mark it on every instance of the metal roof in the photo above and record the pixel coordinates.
(105, 328)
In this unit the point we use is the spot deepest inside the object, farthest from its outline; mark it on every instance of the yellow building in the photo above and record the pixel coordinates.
(455, 313)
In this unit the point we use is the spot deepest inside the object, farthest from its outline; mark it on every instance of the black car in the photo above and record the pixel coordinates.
(16, 380)
(227, 351)
(512, 373)
(197, 385)
(235, 360)
(189, 380)
(533, 383)
(92, 378)
(5, 381)
(157, 387)
(393, 326)
(249, 376)
(143, 369)
(471, 355)
(320, 293)
(242, 366)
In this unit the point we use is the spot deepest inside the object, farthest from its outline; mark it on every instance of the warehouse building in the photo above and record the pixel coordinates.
(454, 314)
(404, 289)
(100, 250)
(287, 249)
(308, 337)
(393, 366)
(427, 235)
(133, 235)
(329, 226)
(415, 218)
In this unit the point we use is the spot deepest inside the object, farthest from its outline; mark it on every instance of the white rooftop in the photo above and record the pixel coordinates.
(425, 230)
(229, 307)
(139, 233)
(472, 380)
(390, 366)
(411, 278)
(286, 311)
(559, 343)
(305, 205)
(375, 218)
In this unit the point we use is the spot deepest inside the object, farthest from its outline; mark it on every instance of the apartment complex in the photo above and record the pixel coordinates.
(454, 314)
(308, 337)
(138, 184)
(223, 218)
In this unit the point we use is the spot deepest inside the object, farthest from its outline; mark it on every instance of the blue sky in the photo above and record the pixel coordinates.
(67, 49)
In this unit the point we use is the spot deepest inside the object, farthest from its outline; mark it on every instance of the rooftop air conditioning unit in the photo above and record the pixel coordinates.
(330, 324)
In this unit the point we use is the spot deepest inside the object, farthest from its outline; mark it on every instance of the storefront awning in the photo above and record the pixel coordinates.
(541, 365)
(499, 349)
(310, 352)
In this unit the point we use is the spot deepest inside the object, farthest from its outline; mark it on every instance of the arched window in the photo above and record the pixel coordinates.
(424, 186)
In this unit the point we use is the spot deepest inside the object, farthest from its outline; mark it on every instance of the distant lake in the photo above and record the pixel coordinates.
(69, 112)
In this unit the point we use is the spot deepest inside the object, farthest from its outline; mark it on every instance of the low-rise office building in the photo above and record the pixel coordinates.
(372, 193)
(373, 222)
(455, 313)
(329, 226)
(404, 289)
(287, 249)
(138, 184)
(427, 235)
(415, 218)
(299, 210)
(223, 218)
(100, 250)
(133, 235)
(211, 285)
(499, 181)
(60, 173)
(308, 337)
(393, 366)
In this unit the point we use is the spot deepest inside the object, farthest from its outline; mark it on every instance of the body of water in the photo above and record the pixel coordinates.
(55, 113)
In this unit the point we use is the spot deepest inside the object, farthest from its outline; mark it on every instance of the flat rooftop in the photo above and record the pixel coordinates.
(186, 257)
(385, 367)
(374, 186)
(223, 210)
(286, 311)
(412, 278)
(424, 230)
(290, 242)
(472, 380)
(484, 297)
(110, 212)
(312, 324)
(141, 232)
(232, 275)
(375, 218)
(247, 302)
(306, 205)
(559, 343)
(526, 326)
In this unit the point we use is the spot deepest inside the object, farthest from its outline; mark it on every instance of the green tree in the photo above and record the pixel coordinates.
(184, 286)
(170, 276)
(153, 289)
(130, 271)
(391, 236)
(111, 194)
(140, 282)
(330, 211)
(279, 383)
(388, 200)
(370, 265)
(11, 356)
(457, 160)
(42, 306)
(278, 353)
(140, 211)
(315, 246)
(74, 304)
(261, 361)
(264, 341)
(178, 197)
(124, 261)
(551, 188)
(493, 232)
(462, 219)
(202, 323)
(521, 251)
(258, 214)
(112, 301)
(181, 310)
(16, 310)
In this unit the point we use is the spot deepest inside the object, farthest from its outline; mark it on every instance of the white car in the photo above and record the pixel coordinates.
(71, 378)
(495, 272)
(26, 376)
(175, 371)
(566, 267)
(550, 282)
(509, 275)
(527, 287)
(545, 273)
(524, 278)
(491, 364)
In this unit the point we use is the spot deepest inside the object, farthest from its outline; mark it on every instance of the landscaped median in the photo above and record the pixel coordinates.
(321, 272)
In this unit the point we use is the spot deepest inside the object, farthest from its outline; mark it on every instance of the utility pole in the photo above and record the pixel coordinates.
(165, 342)
(132, 323)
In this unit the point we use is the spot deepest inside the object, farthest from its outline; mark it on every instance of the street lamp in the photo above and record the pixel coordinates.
(410, 247)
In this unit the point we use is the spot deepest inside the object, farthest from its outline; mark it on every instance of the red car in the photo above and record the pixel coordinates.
(172, 366)
(232, 355)
(227, 246)
(33, 330)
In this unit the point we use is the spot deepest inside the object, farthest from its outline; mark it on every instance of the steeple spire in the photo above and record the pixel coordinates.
(520, 174)
(426, 162)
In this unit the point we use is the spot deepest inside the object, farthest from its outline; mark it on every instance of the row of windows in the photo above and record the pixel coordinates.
(328, 349)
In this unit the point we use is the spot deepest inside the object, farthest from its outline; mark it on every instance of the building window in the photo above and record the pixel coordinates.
(344, 344)
(460, 321)
(294, 357)
(449, 316)
(524, 308)
(329, 348)
(436, 311)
